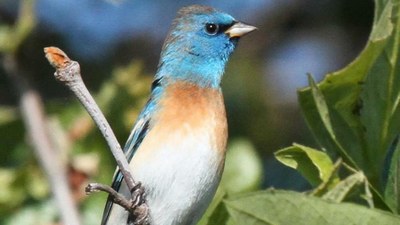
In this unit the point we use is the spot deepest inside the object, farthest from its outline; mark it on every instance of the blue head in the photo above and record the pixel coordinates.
(198, 46)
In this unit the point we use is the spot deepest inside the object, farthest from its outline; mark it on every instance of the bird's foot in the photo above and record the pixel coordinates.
(138, 195)
(142, 215)
(138, 205)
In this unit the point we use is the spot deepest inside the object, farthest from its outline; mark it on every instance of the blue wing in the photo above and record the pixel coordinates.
(138, 133)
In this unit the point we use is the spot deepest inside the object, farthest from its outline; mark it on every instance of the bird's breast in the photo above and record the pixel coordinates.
(180, 160)
(191, 109)
(187, 113)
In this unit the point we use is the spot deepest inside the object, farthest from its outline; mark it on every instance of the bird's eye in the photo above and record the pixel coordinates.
(211, 28)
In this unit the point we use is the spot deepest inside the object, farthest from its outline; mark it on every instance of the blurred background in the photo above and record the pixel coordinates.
(117, 43)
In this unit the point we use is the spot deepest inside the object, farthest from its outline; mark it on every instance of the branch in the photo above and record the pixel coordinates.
(139, 211)
(33, 115)
(68, 72)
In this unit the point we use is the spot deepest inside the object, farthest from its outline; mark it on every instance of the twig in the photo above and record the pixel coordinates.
(140, 211)
(31, 107)
(118, 198)
(68, 72)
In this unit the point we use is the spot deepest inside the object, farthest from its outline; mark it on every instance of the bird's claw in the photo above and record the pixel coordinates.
(139, 208)
(137, 194)
(143, 217)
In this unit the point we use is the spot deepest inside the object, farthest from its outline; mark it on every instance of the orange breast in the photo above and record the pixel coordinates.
(196, 109)
(186, 111)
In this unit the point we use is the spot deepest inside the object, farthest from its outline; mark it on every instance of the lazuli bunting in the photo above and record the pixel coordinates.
(177, 146)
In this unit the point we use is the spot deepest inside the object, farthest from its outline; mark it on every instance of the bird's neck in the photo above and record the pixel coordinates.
(192, 69)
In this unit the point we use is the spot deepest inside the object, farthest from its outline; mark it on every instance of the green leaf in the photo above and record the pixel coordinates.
(343, 188)
(285, 207)
(213, 208)
(220, 215)
(392, 189)
(314, 165)
(383, 26)
(325, 117)
(354, 113)
(378, 96)
(321, 105)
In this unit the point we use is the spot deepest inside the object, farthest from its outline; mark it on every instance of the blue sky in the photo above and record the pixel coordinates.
(92, 26)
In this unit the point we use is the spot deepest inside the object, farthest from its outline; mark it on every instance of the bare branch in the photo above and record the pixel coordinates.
(33, 115)
(118, 198)
(68, 72)
(140, 211)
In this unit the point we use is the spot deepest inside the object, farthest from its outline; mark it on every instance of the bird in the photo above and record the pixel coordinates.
(177, 146)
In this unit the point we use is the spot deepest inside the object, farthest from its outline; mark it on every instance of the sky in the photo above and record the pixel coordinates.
(93, 27)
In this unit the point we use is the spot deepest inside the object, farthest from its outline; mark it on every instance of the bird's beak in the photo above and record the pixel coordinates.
(239, 29)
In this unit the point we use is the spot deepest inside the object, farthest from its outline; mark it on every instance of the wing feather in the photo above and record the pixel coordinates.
(138, 133)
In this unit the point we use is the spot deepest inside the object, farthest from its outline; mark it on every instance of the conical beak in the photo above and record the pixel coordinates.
(239, 29)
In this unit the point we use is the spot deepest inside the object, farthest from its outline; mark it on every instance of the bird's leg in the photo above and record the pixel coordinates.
(137, 201)
(141, 216)
(138, 194)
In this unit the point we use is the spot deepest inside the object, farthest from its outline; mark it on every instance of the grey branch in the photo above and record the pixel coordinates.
(68, 72)
(140, 211)
(35, 120)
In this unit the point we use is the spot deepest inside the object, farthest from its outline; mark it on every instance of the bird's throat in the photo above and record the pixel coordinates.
(201, 72)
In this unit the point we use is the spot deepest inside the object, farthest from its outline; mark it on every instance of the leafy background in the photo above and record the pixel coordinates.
(351, 154)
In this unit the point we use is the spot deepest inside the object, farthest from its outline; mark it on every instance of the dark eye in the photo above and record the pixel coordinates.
(211, 28)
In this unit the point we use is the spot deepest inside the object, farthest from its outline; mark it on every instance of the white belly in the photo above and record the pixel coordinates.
(180, 181)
